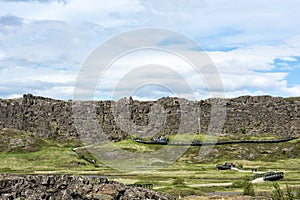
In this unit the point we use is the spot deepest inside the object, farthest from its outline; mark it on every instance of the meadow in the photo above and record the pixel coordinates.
(188, 175)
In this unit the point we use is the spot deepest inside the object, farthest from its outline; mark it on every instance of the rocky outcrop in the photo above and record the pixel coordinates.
(251, 115)
(65, 187)
(263, 114)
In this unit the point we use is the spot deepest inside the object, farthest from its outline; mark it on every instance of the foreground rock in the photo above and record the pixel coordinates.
(69, 187)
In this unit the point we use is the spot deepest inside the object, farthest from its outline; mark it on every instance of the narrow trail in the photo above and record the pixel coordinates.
(258, 180)
(240, 170)
(210, 184)
(83, 147)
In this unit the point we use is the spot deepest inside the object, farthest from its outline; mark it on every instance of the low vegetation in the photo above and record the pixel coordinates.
(189, 175)
(292, 99)
(248, 188)
(289, 193)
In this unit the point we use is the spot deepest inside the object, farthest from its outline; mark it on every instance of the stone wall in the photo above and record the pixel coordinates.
(65, 187)
(47, 117)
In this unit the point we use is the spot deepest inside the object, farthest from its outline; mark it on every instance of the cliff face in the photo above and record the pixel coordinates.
(255, 115)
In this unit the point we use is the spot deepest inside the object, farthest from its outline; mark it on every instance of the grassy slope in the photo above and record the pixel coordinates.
(39, 155)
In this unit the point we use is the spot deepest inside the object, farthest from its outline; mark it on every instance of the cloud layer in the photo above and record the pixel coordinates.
(255, 45)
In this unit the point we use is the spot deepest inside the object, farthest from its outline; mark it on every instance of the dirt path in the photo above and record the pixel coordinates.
(210, 184)
(240, 170)
(258, 180)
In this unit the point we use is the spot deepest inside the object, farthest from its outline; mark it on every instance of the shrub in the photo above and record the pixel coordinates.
(277, 194)
(248, 187)
(289, 193)
(237, 184)
(298, 193)
(240, 166)
(243, 130)
(178, 181)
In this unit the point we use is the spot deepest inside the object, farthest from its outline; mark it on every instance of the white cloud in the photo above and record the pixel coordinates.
(104, 13)
(43, 45)
(39, 81)
(290, 91)
(58, 92)
(243, 71)
(253, 68)
(227, 22)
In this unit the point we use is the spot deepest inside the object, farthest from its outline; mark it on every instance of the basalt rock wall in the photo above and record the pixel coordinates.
(252, 115)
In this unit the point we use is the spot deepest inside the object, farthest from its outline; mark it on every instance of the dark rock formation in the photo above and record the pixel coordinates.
(251, 115)
(65, 187)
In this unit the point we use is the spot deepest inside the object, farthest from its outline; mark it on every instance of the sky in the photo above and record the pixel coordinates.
(254, 46)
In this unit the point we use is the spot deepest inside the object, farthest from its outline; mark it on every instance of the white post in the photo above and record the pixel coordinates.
(199, 124)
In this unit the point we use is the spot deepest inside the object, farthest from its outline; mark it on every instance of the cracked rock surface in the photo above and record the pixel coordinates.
(66, 187)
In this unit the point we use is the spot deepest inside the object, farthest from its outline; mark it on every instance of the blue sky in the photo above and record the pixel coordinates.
(255, 45)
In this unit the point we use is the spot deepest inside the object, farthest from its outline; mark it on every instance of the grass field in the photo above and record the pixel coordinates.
(186, 176)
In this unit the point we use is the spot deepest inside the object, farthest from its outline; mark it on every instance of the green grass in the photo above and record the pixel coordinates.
(132, 146)
(195, 171)
(190, 137)
(292, 99)
(56, 156)
(39, 155)
(46, 159)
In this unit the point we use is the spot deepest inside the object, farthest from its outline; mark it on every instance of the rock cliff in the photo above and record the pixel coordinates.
(253, 115)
